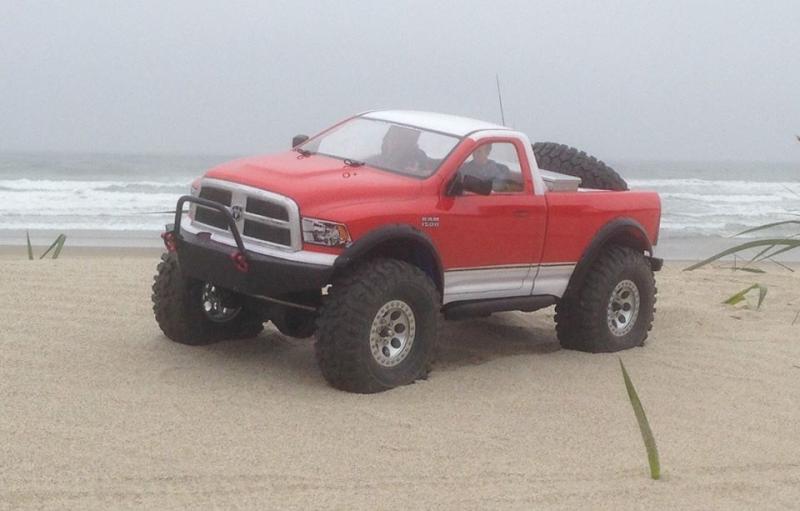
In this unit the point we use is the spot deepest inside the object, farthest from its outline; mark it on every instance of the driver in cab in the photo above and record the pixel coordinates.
(400, 151)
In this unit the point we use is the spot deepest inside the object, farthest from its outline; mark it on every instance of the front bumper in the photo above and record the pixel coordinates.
(265, 276)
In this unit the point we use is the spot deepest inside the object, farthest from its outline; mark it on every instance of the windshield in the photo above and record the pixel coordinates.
(397, 148)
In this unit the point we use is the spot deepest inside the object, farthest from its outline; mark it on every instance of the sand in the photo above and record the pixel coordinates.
(98, 410)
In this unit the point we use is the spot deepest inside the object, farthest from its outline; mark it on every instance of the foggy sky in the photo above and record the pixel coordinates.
(629, 79)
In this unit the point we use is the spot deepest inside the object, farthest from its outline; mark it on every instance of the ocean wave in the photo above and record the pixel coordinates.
(91, 205)
(692, 181)
(87, 226)
(690, 206)
(724, 225)
(102, 222)
(747, 211)
(718, 187)
(146, 187)
(731, 198)
(47, 185)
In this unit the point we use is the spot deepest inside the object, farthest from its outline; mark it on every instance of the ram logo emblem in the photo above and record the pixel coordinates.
(430, 221)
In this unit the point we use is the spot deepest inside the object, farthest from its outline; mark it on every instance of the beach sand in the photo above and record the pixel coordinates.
(98, 410)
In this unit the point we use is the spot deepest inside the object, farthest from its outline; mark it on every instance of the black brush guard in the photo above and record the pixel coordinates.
(240, 270)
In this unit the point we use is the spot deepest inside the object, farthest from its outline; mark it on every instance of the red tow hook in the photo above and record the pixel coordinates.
(169, 241)
(240, 262)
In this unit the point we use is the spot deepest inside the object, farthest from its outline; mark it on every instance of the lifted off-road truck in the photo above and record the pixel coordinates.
(368, 233)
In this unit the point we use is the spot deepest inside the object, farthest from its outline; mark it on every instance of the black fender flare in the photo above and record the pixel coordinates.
(625, 231)
(395, 233)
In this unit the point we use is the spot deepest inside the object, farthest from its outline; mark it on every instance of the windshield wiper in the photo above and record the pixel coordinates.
(353, 163)
(304, 152)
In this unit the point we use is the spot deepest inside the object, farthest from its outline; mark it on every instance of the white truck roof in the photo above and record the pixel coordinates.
(443, 123)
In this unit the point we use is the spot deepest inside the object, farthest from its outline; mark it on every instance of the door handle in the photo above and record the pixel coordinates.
(521, 213)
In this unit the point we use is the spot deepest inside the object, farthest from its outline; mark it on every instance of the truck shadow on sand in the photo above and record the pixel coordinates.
(476, 341)
(461, 343)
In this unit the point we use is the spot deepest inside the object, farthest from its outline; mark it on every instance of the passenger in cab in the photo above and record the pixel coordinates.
(485, 169)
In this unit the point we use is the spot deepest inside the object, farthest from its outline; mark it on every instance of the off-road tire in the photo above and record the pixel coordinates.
(294, 322)
(179, 312)
(568, 160)
(582, 313)
(346, 323)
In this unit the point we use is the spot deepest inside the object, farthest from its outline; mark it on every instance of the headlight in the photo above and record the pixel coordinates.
(329, 234)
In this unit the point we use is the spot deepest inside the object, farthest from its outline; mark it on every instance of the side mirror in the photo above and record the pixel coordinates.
(461, 184)
(298, 139)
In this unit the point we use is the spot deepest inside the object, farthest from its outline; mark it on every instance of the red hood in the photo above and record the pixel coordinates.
(316, 183)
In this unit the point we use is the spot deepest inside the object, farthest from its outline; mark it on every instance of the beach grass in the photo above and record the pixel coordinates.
(56, 247)
(769, 247)
(741, 295)
(30, 248)
(644, 425)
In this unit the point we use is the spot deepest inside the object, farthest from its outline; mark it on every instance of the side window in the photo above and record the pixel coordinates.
(498, 163)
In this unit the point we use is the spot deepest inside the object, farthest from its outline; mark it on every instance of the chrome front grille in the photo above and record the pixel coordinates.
(263, 218)
(267, 209)
(266, 232)
(210, 216)
(216, 194)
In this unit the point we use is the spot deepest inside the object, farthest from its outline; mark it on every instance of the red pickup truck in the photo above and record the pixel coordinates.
(369, 232)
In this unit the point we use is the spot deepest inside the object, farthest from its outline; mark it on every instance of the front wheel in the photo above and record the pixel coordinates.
(378, 327)
(193, 312)
(613, 308)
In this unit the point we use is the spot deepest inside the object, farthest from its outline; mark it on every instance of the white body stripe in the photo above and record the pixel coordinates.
(485, 283)
(552, 279)
(505, 282)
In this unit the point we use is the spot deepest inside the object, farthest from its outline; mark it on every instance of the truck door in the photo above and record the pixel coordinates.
(490, 244)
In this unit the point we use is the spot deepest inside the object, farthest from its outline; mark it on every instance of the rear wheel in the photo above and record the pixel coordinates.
(294, 322)
(568, 160)
(378, 327)
(193, 312)
(613, 308)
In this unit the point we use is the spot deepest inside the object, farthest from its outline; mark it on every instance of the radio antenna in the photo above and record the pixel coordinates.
(500, 99)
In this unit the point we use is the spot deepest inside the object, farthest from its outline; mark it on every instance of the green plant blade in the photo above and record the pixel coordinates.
(785, 267)
(773, 254)
(738, 297)
(762, 293)
(30, 248)
(51, 247)
(62, 238)
(749, 270)
(767, 226)
(644, 425)
(787, 243)
(759, 254)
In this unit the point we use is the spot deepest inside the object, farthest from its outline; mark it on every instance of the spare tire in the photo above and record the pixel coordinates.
(568, 160)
